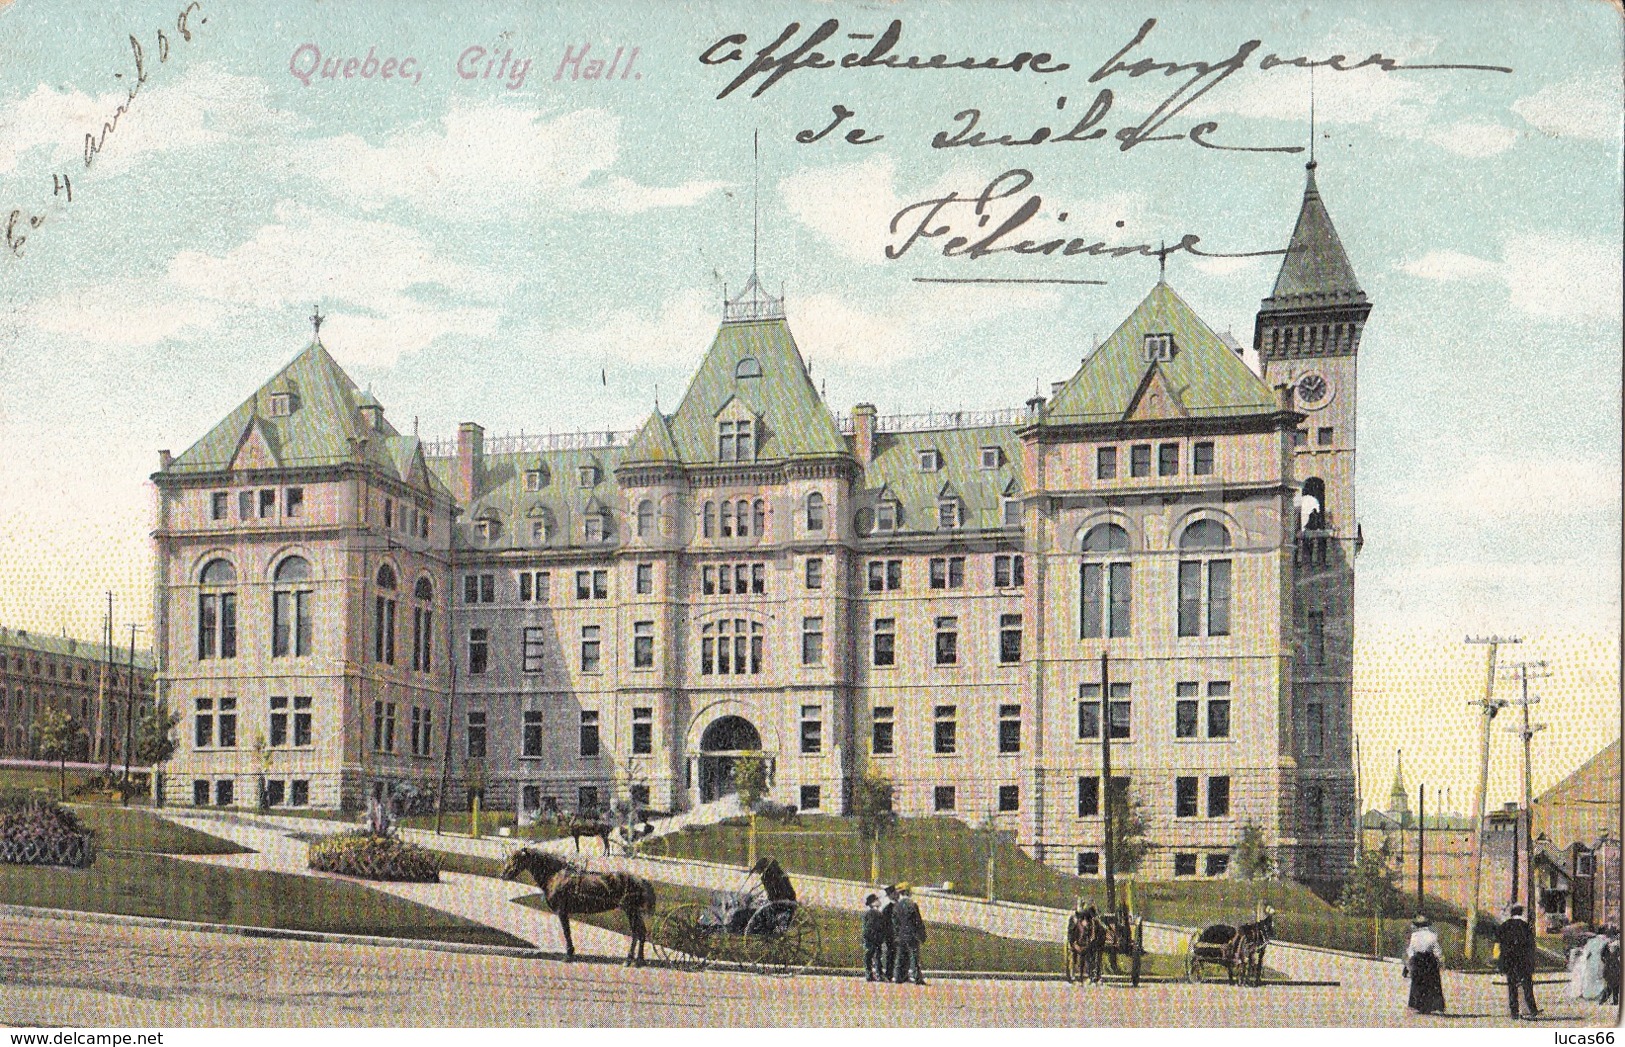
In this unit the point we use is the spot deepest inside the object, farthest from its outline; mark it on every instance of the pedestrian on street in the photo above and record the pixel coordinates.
(908, 932)
(1422, 959)
(876, 929)
(888, 899)
(1610, 966)
(1516, 942)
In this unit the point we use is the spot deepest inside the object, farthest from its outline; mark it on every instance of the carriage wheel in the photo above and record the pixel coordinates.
(783, 938)
(680, 941)
(1193, 968)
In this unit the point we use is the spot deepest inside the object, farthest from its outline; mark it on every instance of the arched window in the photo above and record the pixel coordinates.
(1106, 589)
(646, 519)
(727, 530)
(1205, 534)
(815, 511)
(217, 612)
(1312, 505)
(742, 518)
(1105, 538)
(758, 518)
(383, 633)
(708, 520)
(291, 609)
(422, 625)
(748, 367)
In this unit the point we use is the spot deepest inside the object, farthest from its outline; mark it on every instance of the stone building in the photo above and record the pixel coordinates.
(621, 617)
(98, 687)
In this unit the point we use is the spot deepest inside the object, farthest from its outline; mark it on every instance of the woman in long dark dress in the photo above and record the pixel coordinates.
(1422, 956)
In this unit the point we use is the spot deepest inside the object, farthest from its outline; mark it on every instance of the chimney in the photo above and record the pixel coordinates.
(470, 454)
(372, 411)
(863, 433)
(1035, 406)
(164, 458)
(1055, 387)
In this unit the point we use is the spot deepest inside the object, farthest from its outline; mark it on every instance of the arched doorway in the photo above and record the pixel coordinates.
(720, 746)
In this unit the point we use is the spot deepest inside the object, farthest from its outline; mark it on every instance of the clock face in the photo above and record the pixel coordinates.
(1312, 389)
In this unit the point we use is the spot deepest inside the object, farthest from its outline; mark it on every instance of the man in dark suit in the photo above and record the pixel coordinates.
(908, 934)
(1516, 941)
(876, 929)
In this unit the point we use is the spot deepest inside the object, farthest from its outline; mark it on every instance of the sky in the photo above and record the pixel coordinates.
(547, 253)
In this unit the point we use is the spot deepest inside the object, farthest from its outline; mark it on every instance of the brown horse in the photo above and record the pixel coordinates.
(577, 827)
(1085, 943)
(569, 891)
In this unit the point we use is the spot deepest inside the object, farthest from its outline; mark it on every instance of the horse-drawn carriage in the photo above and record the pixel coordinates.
(1237, 949)
(760, 925)
(1093, 936)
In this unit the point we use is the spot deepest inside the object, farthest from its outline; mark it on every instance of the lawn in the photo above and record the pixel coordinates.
(41, 781)
(132, 829)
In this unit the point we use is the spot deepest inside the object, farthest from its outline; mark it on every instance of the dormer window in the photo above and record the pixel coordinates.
(588, 475)
(1159, 347)
(992, 457)
(281, 405)
(736, 442)
(488, 527)
(596, 527)
(947, 514)
(535, 479)
(930, 460)
(886, 516)
(748, 367)
(1012, 512)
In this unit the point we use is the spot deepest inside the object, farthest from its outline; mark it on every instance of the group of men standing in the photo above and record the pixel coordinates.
(893, 931)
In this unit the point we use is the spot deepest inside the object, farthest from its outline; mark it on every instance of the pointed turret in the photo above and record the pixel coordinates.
(1317, 307)
(1398, 797)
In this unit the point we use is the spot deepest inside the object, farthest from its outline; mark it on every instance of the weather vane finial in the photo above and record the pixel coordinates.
(1162, 263)
(1311, 118)
(316, 319)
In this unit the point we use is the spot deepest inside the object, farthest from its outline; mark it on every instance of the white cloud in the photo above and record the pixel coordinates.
(675, 335)
(1553, 277)
(1501, 488)
(480, 159)
(1472, 139)
(123, 313)
(1585, 106)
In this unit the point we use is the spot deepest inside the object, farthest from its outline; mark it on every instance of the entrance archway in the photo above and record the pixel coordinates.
(720, 746)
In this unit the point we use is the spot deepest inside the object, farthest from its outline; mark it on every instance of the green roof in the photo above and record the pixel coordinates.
(654, 443)
(1205, 376)
(324, 419)
(1316, 269)
(69, 647)
(793, 421)
(499, 492)
(895, 473)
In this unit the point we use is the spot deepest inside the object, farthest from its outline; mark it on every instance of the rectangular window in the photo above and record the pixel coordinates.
(293, 501)
(881, 737)
(1088, 710)
(302, 731)
(278, 734)
(479, 588)
(479, 651)
(600, 585)
(245, 505)
(945, 731)
(885, 642)
(1009, 728)
(947, 647)
(1139, 460)
(1105, 463)
(1185, 797)
(812, 729)
(224, 792)
(815, 572)
(1184, 865)
(758, 579)
(1218, 709)
(474, 739)
(947, 514)
(1323, 436)
(1089, 796)
(812, 641)
(208, 626)
(1185, 710)
(384, 630)
(1317, 638)
(1009, 571)
(1167, 459)
(267, 504)
(1218, 598)
(422, 638)
(422, 731)
(992, 457)
(1088, 863)
(1122, 710)
(1218, 796)
(389, 513)
(299, 793)
(583, 585)
(589, 733)
(642, 731)
(1202, 458)
(1009, 639)
(227, 723)
(643, 645)
(1012, 512)
(930, 461)
(645, 579)
(203, 724)
(1300, 438)
(1009, 798)
(812, 798)
(219, 505)
(1217, 864)
(530, 738)
(591, 648)
(1106, 603)
(708, 580)
(944, 798)
(533, 640)
(1314, 730)
(1190, 598)
(886, 516)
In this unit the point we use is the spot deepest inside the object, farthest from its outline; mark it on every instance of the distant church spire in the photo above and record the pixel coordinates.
(1399, 797)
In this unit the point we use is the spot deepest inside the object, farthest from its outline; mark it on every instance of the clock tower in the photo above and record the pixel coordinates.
(1307, 336)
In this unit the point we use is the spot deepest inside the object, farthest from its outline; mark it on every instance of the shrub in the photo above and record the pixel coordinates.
(39, 832)
(373, 857)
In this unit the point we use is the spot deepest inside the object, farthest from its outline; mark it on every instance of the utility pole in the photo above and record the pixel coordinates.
(1421, 838)
(1528, 671)
(104, 701)
(1488, 706)
(1106, 777)
(129, 715)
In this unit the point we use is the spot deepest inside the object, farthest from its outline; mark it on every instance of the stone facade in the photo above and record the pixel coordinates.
(94, 685)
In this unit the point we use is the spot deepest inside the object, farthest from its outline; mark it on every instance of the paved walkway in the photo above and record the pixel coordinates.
(278, 847)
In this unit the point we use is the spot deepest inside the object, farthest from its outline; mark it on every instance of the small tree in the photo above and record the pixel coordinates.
(1253, 858)
(1129, 843)
(873, 806)
(58, 735)
(1372, 888)
(750, 779)
(155, 735)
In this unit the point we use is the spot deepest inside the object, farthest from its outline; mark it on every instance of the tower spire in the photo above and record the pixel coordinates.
(1311, 118)
(755, 196)
(316, 319)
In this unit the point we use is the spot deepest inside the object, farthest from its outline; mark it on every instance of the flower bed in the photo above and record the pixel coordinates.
(373, 857)
(39, 832)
